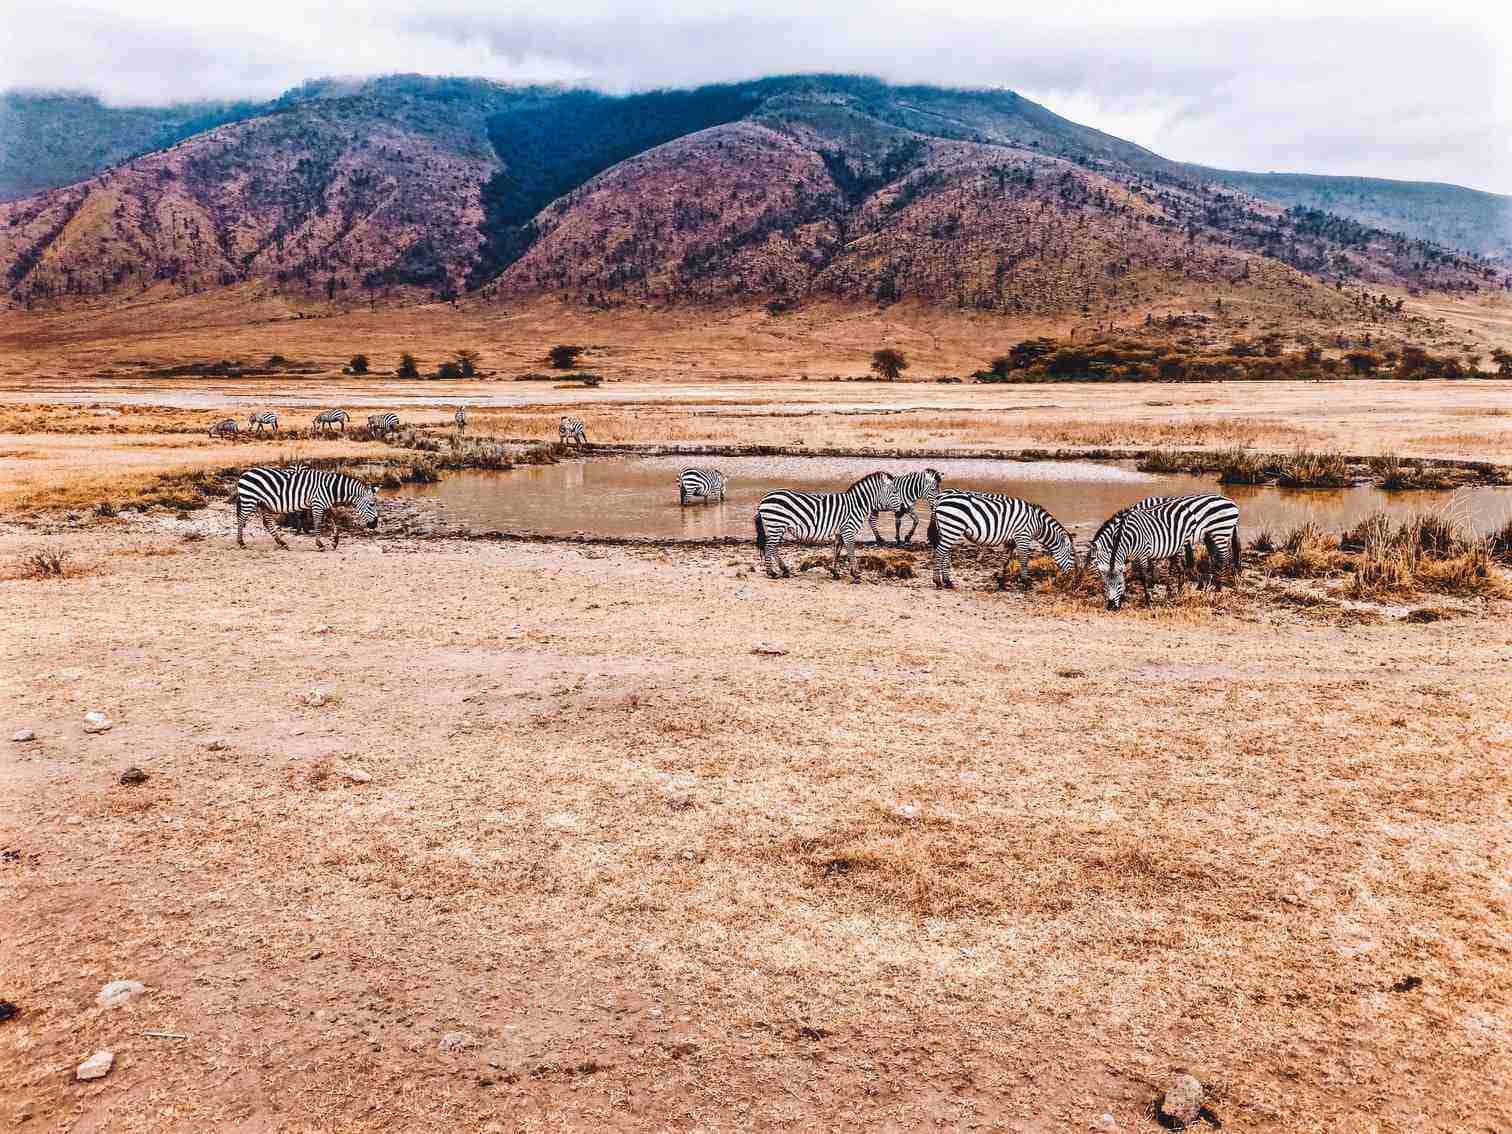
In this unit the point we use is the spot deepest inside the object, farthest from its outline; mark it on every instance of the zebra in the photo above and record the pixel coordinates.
(226, 427)
(695, 482)
(572, 429)
(274, 492)
(912, 487)
(262, 418)
(460, 418)
(323, 421)
(989, 519)
(820, 516)
(1162, 527)
(383, 423)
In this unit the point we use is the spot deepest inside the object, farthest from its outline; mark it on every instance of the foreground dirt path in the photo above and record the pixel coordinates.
(967, 860)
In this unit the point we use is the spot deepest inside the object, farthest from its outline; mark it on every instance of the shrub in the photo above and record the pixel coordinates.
(408, 367)
(888, 364)
(1307, 468)
(449, 370)
(563, 356)
(359, 364)
(47, 563)
(1239, 466)
(467, 362)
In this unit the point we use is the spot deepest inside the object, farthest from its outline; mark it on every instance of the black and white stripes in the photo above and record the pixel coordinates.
(226, 427)
(572, 429)
(383, 423)
(984, 518)
(262, 418)
(324, 420)
(924, 484)
(271, 492)
(700, 484)
(786, 514)
(459, 419)
(1162, 527)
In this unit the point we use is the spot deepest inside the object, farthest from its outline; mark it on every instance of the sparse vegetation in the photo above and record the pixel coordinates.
(467, 362)
(46, 563)
(888, 364)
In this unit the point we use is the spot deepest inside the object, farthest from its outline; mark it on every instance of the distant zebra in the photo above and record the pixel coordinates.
(786, 514)
(693, 483)
(985, 518)
(572, 429)
(1161, 528)
(226, 427)
(262, 418)
(383, 423)
(324, 421)
(276, 492)
(912, 487)
(460, 417)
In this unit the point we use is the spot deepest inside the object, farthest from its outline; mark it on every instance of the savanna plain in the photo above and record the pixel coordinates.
(441, 832)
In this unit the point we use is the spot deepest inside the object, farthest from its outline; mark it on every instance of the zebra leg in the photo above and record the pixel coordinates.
(943, 580)
(267, 522)
(320, 516)
(1002, 575)
(242, 516)
(913, 525)
(335, 524)
(876, 535)
(835, 563)
(850, 547)
(1023, 554)
(682, 496)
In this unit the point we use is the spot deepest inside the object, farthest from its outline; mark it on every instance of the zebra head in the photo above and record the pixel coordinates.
(932, 492)
(878, 491)
(365, 508)
(1058, 542)
(1105, 554)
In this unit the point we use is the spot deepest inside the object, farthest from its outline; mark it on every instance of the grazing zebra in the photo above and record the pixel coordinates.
(383, 423)
(262, 418)
(572, 429)
(1163, 527)
(226, 427)
(785, 514)
(985, 518)
(694, 482)
(324, 421)
(276, 492)
(460, 418)
(912, 487)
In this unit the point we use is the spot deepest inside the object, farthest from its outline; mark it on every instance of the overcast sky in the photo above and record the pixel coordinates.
(1372, 87)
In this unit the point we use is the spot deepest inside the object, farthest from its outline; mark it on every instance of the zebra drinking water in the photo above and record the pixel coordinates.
(912, 487)
(572, 429)
(262, 418)
(985, 518)
(383, 423)
(786, 514)
(323, 421)
(1163, 527)
(226, 427)
(274, 492)
(705, 483)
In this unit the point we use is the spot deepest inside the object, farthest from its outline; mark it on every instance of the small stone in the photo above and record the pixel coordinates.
(118, 992)
(97, 1066)
(908, 811)
(1182, 1101)
(1106, 1122)
(22, 735)
(219, 744)
(356, 775)
(7, 1010)
(133, 776)
(406, 894)
(315, 698)
(456, 1041)
(96, 721)
(769, 649)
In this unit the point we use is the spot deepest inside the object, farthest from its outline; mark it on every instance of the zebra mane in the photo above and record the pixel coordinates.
(345, 483)
(1054, 524)
(865, 479)
(1107, 525)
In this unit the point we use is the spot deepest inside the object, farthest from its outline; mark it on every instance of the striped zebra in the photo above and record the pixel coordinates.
(786, 514)
(1164, 527)
(460, 418)
(912, 487)
(323, 421)
(572, 429)
(695, 483)
(226, 427)
(383, 423)
(275, 492)
(991, 520)
(262, 418)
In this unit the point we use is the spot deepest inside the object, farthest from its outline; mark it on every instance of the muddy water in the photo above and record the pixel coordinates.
(637, 496)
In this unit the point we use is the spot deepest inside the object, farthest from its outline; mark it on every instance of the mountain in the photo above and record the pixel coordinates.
(780, 189)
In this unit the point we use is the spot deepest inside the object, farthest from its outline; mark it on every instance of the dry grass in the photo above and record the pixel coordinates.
(1306, 552)
(1425, 553)
(47, 563)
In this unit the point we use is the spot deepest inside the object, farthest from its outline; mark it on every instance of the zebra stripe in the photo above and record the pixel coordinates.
(992, 520)
(786, 514)
(572, 429)
(923, 484)
(270, 492)
(460, 417)
(327, 418)
(226, 427)
(704, 483)
(1163, 527)
(383, 422)
(262, 418)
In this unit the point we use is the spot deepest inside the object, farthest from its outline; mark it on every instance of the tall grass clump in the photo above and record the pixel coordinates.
(1308, 468)
(1306, 552)
(46, 563)
(1425, 552)
(1240, 466)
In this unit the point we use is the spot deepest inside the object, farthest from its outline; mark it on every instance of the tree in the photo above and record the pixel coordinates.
(468, 360)
(359, 364)
(1363, 361)
(449, 370)
(1503, 360)
(408, 367)
(563, 357)
(888, 363)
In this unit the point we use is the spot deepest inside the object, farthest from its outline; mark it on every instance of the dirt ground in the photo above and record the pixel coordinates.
(969, 860)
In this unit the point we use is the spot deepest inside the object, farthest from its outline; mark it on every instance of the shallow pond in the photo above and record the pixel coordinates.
(637, 496)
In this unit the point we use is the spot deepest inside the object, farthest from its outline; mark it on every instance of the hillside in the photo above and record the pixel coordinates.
(784, 188)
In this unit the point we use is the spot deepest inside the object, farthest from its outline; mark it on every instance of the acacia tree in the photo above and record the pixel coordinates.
(888, 363)
(467, 361)
(563, 356)
(408, 367)
(359, 364)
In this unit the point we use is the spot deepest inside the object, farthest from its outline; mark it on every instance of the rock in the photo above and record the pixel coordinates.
(908, 811)
(219, 744)
(133, 776)
(96, 721)
(456, 1041)
(22, 735)
(769, 649)
(8, 1010)
(1106, 1122)
(315, 698)
(119, 992)
(406, 894)
(356, 775)
(1182, 1101)
(97, 1066)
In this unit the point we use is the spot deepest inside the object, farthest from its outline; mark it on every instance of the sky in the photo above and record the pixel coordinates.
(1366, 87)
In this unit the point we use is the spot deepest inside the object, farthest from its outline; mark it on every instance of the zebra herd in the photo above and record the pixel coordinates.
(379, 424)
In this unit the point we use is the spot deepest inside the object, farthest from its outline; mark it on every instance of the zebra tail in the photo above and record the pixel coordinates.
(760, 534)
(933, 532)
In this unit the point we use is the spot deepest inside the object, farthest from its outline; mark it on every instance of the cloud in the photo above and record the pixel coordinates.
(1384, 89)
